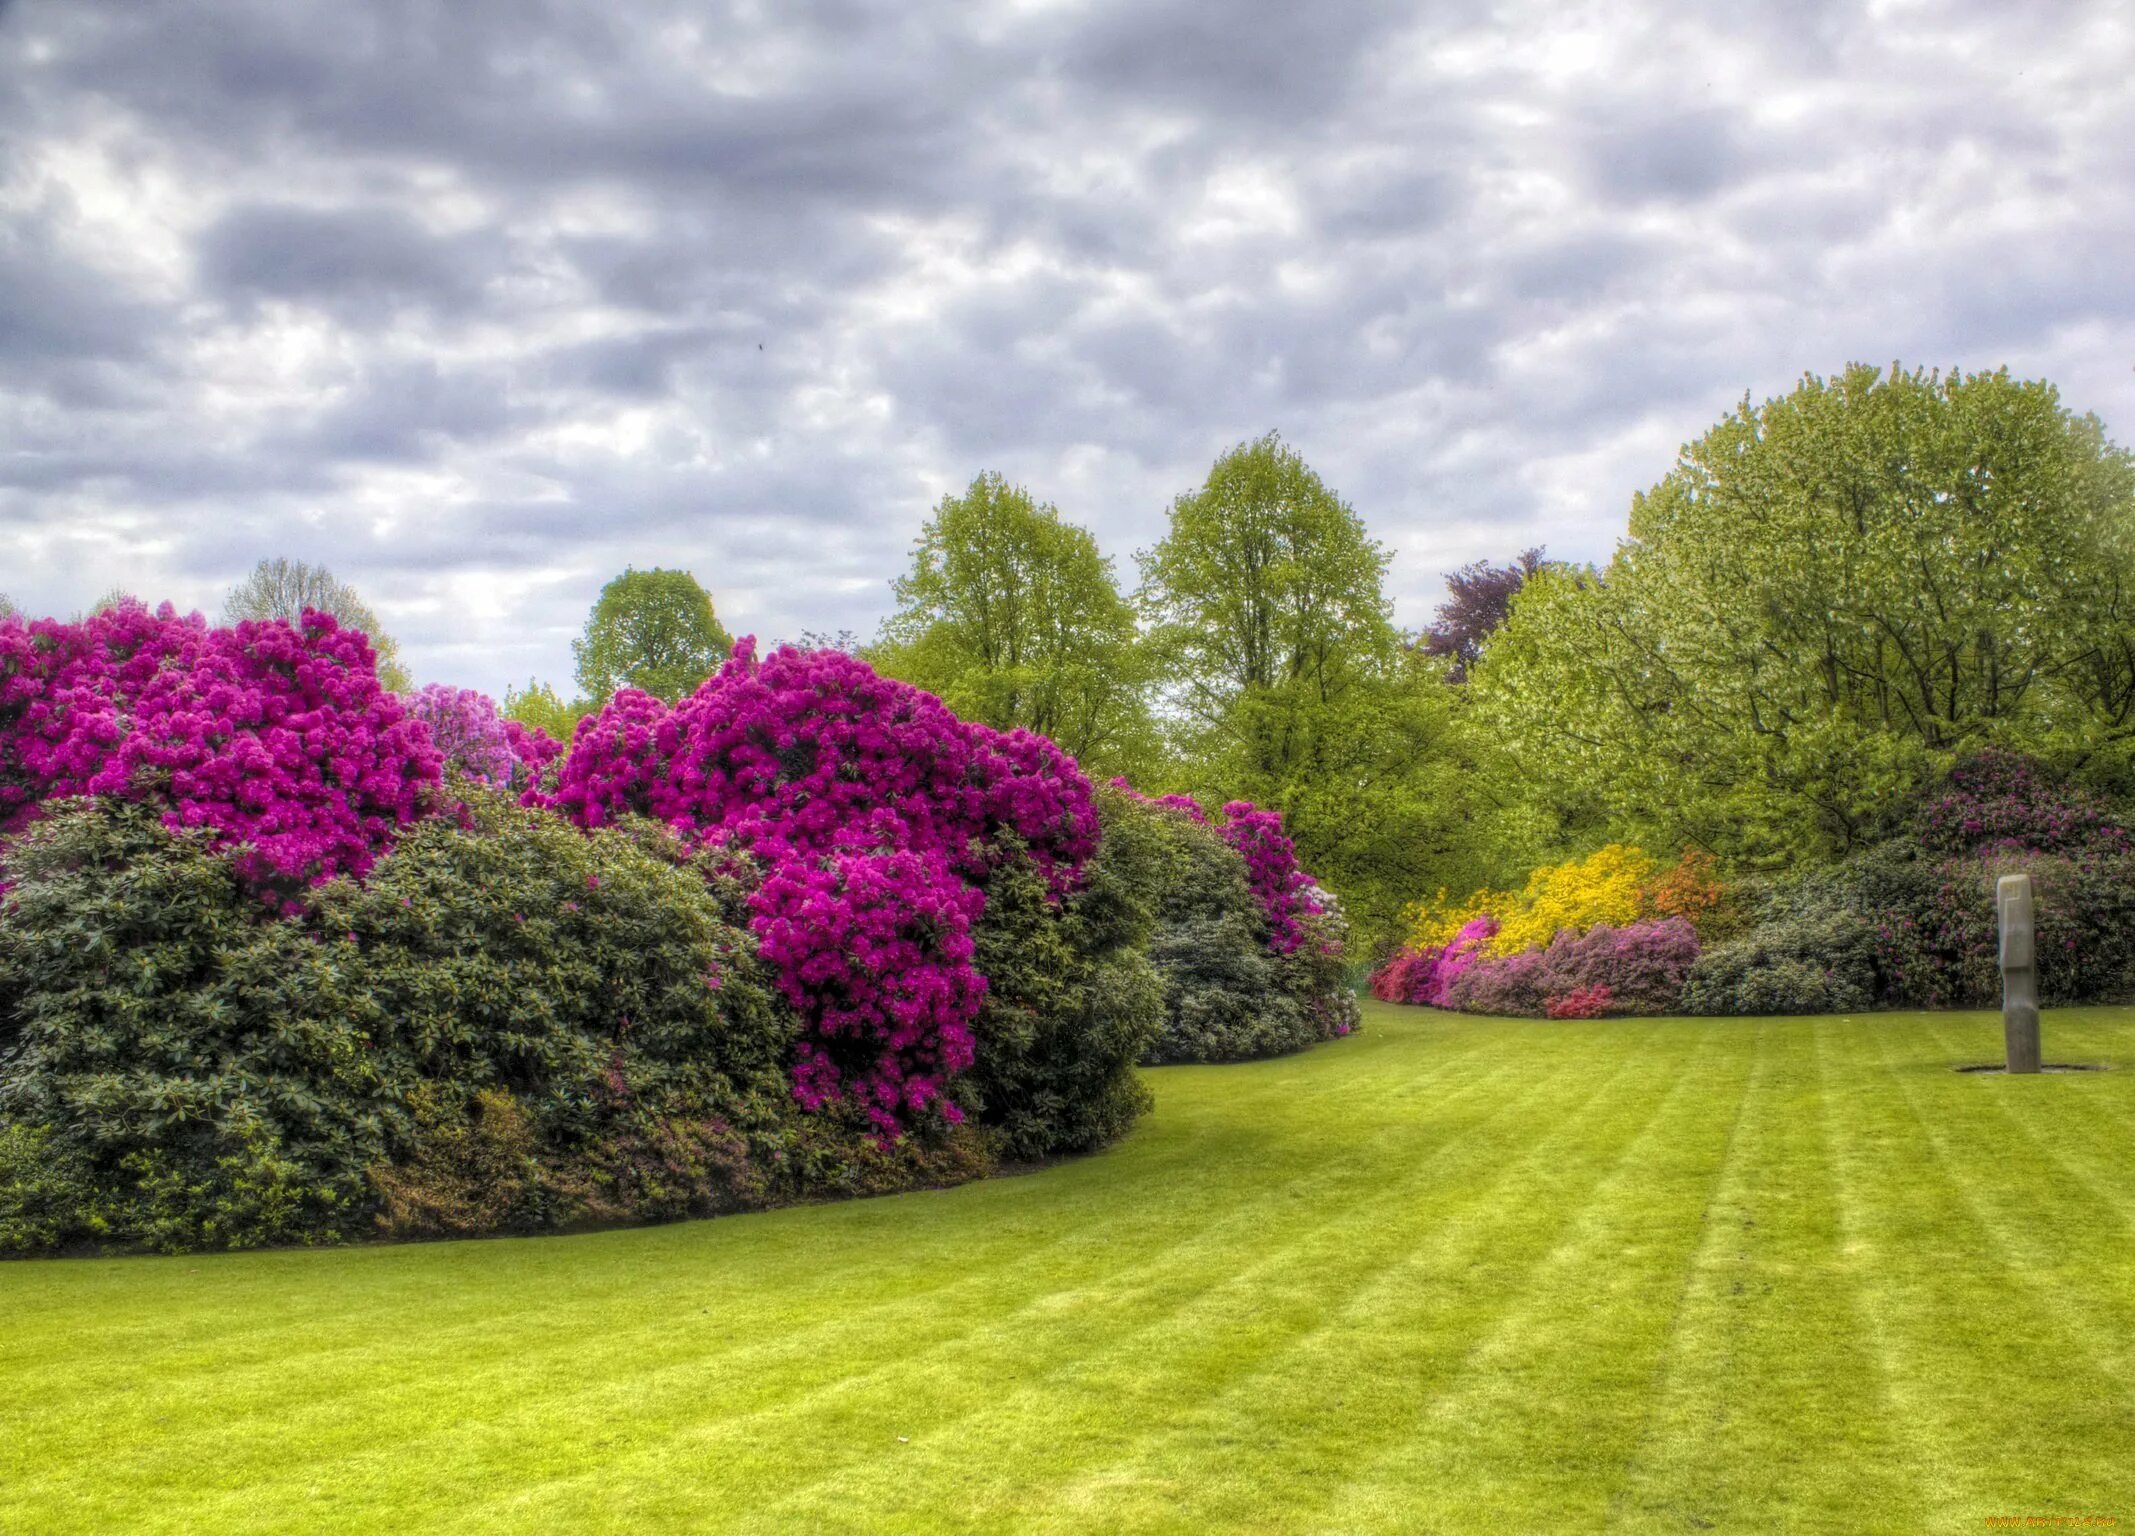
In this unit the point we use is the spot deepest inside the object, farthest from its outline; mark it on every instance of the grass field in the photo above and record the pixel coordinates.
(1451, 1274)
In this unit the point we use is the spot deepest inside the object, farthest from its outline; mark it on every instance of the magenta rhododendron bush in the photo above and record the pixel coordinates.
(275, 737)
(877, 816)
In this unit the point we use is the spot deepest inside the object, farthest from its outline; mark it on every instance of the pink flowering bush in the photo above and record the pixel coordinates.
(1250, 950)
(1638, 968)
(1285, 891)
(467, 732)
(874, 811)
(274, 738)
(1423, 977)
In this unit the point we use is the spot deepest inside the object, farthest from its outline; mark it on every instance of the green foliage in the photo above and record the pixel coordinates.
(652, 630)
(281, 588)
(1284, 682)
(1225, 997)
(219, 1077)
(1830, 596)
(1266, 603)
(541, 706)
(1011, 616)
(198, 1063)
(1072, 1000)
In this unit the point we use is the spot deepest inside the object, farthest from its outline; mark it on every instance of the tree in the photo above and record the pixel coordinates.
(541, 706)
(652, 630)
(281, 588)
(8, 610)
(1286, 683)
(1832, 595)
(1267, 604)
(1479, 596)
(1012, 617)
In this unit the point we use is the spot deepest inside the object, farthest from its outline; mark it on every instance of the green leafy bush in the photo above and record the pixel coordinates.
(1226, 997)
(1072, 1000)
(197, 1062)
(514, 1025)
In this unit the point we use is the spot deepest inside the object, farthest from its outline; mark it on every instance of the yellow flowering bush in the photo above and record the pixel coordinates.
(1613, 885)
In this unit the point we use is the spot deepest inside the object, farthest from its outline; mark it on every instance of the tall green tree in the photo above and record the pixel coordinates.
(8, 610)
(540, 705)
(652, 630)
(1012, 616)
(1267, 606)
(281, 588)
(1285, 681)
(1831, 595)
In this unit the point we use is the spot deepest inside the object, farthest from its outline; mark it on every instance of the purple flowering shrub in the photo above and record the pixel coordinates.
(276, 739)
(2001, 800)
(1249, 949)
(467, 732)
(874, 812)
(1638, 968)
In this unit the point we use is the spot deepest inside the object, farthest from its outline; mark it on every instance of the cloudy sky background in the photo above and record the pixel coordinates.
(479, 302)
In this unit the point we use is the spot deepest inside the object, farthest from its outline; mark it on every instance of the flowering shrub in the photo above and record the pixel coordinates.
(1911, 922)
(873, 810)
(1288, 896)
(1638, 968)
(509, 1024)
(2000, 800)
(1284, 891)
(1579, 1003)
(276, 739)
(467, 731)
(1424, 976)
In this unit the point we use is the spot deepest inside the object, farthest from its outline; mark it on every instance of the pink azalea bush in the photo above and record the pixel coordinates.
(467, 731)
(1579, 1003)
(875, 812)
(1638, 968)
(478, 742)
(276, 738)
(1423, 977)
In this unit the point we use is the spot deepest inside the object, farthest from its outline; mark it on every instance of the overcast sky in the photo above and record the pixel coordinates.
(478, 302)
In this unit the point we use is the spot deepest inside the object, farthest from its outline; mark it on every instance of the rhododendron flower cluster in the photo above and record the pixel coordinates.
(467, 731)
(275, 737)
(874, 811)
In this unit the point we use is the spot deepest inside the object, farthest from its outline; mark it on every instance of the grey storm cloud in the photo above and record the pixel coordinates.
(479, 302)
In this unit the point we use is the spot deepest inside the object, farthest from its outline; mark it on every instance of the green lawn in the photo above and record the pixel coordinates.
(1451, 1274)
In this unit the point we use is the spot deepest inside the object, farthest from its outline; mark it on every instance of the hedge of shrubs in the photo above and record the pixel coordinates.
(802, 934)
(1908, 921)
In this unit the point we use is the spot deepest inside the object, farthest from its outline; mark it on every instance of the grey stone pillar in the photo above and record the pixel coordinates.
(2020, 973)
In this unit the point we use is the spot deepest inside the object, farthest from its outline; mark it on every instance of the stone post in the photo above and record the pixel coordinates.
(2020, 973)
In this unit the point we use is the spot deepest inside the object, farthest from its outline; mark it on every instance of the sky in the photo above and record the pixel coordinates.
(478, 303)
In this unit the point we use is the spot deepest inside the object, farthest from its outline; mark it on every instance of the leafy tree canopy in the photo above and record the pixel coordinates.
(1831, 595)
(653, 630)
(1266, 603)
(280, 588)
(1011, 616)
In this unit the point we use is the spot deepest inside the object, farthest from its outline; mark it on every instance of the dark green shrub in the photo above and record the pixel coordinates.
(512, 1025)
(197, 1063)
(1072, 1001)
(1226, 998)
(1806, 964)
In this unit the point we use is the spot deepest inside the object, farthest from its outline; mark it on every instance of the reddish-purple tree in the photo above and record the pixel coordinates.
(1479, 597)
